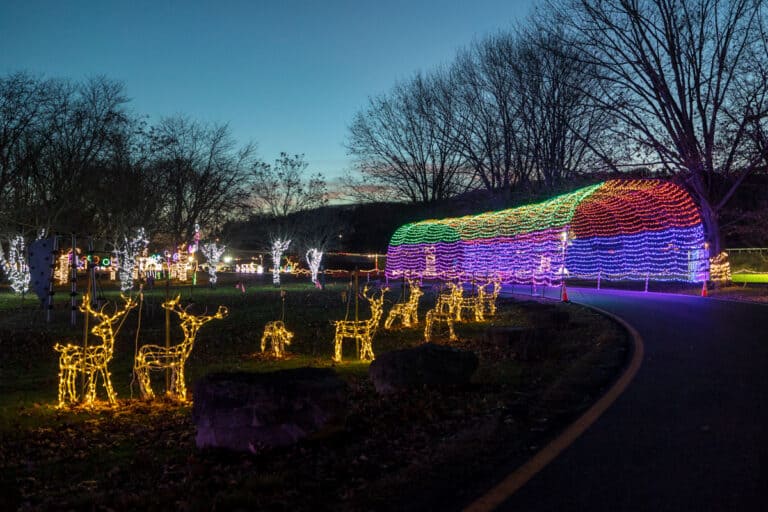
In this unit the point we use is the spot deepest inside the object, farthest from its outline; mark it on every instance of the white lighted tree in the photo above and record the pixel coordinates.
(279, 246)
(212, 252)
(314, 257)
(15, 265)
(127, 254)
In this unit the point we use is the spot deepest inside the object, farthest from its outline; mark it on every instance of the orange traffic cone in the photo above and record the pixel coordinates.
(704, 289)
(564, 295)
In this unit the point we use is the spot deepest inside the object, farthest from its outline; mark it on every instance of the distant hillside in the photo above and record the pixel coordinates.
(367, 227)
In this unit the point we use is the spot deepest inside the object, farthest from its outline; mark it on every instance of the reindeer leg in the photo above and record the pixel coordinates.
(337, 346)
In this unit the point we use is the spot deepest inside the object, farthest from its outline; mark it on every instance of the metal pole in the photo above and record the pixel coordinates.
(73, 284)
(357, 288)
(167, 334)
(49, 310)
(91, 271)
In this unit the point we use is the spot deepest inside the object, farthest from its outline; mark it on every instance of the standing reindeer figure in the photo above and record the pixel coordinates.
(474, 305)
(445, 311)
(362, 330)
(408, 312)
(489, 299)
(155, 357)
(91, 360)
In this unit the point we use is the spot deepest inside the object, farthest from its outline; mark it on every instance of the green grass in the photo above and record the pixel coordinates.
(78, 458)
(750, 278)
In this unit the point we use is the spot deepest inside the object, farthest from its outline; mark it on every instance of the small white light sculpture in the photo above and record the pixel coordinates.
(213, 253)
(314, 257)
(279, 246)
(15, 266)
(127, 258)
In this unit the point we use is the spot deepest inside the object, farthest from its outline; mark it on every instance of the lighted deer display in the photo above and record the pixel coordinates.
(156, 357)
(407, 312)
(91, 360)
(445, 311)
(362, 330)
(489, 299)
(278, 336)
(474, 305)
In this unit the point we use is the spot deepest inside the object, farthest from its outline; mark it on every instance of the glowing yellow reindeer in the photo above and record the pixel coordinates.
(91, 360)
(489, 299)
(279, 337)
(445, 311)
(408, 312)
(156, 357)
(362, 330)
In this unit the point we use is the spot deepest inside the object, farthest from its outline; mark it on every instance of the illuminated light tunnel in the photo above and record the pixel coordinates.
(615, 230)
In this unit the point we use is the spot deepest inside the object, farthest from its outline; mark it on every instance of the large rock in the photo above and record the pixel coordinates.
(256, 411)
(425, 365)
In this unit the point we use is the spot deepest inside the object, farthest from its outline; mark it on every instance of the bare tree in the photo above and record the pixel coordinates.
(282, 189)
(677, 75)
(399, 141)
(206, 177)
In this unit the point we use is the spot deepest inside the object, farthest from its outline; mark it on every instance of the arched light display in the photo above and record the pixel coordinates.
(618, 229)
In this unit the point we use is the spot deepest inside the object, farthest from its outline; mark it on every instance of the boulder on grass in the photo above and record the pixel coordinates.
(426, 365)
(256, 411)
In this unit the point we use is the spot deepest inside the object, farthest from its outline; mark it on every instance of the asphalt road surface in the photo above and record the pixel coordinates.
(690, 433)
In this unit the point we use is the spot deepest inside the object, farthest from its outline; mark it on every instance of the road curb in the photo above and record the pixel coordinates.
(515, 480)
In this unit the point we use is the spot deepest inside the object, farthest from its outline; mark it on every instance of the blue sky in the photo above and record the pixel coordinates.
(288, 75)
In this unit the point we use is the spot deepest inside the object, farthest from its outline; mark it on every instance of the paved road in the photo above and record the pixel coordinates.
(690, 433)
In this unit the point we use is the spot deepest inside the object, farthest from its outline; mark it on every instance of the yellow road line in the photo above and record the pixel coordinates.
(515, 480)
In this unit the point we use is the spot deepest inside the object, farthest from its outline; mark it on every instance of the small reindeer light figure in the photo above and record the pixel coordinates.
(92, 360)
(362, 330)
(278, 336)
(407, 312)
(156, 357)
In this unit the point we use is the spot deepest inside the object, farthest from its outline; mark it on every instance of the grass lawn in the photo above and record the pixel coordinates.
(750, 278)
(426, 448)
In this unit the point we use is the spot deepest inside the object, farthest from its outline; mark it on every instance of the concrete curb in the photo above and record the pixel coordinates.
(515, 480)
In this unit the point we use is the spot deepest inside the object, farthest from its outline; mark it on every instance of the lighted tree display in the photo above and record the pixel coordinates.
(279, 246)
(15, 265)
(127, 254)
(314, 257)
(213, 252)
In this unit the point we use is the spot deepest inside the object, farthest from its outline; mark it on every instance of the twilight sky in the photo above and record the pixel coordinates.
(286, 74)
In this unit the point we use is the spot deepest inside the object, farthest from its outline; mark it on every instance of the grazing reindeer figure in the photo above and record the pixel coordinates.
(362, 330)
(408, 312)
(444, 312)
(279, 337)
(91, 360)
(155, 357)
(474, 305)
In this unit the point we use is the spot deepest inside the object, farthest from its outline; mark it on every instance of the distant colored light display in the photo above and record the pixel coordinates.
(616, 230)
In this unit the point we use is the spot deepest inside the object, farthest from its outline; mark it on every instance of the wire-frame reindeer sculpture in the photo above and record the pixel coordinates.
(278, 336)
(362, 330)
(91, 360)
(156, 357)
(407, 312)
(447, 310)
